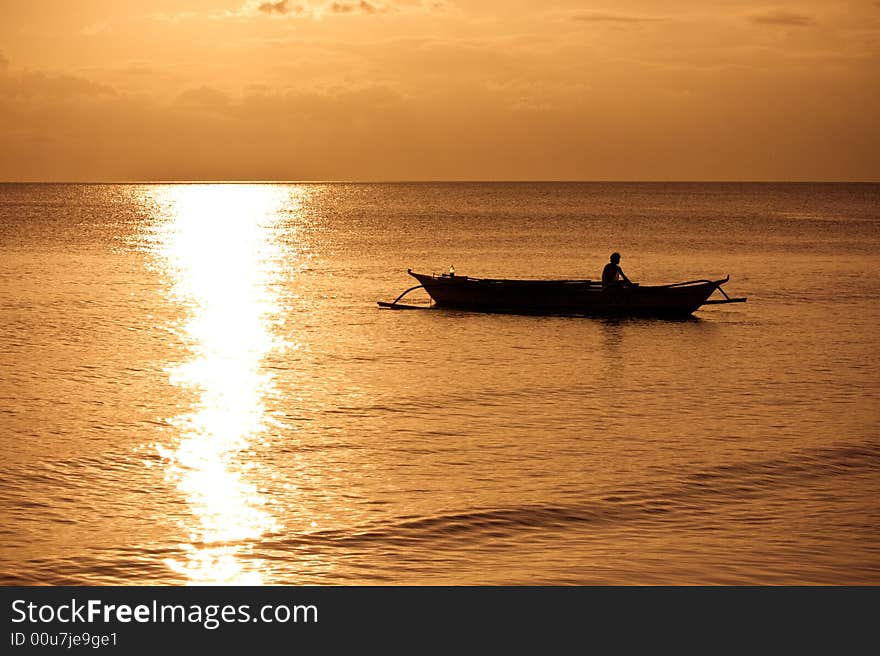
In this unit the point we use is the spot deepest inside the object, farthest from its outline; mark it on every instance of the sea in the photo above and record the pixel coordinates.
(198, 387)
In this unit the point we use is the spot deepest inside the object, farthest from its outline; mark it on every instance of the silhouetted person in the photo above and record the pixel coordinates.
(613, 275)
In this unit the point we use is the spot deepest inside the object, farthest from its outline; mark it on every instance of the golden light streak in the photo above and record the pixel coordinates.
(220, 248)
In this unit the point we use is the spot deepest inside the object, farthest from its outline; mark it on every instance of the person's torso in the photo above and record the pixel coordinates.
(611, 273)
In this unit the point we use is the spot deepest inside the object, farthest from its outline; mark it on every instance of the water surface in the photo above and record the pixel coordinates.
(196, 386)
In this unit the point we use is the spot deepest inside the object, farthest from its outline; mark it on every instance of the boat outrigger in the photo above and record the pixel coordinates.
(565, 297)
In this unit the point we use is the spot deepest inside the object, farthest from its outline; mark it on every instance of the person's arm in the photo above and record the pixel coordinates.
(623, 275)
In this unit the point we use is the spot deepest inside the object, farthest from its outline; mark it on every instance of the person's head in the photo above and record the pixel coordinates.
(615, 257)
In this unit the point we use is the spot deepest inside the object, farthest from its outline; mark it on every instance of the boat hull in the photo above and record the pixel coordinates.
(569, 297)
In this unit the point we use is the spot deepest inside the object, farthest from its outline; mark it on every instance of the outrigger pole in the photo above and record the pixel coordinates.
(726, 298)
(394, 305)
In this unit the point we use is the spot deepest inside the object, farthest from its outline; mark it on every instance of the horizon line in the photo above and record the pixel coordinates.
(444, 181)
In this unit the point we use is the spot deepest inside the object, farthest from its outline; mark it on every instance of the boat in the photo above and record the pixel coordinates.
(564, 297)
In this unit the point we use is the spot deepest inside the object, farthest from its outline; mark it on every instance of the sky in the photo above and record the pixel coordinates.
(125, 90)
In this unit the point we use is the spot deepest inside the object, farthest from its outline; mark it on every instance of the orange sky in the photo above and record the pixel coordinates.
(439, 89)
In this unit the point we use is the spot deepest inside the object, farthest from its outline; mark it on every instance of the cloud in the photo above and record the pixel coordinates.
(177, 18)
(599, 17)
(524, 128)
(315, 10)
(282, 7)
(782, 18)
(360, 7)
(51, 87)
(204, 98)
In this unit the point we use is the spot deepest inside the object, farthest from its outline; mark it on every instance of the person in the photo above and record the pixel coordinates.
(612, 274)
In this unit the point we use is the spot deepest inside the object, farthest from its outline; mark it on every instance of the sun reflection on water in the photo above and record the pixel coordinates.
(220, 247)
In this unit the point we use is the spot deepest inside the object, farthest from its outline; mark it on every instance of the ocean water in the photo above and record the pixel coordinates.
(196, 386)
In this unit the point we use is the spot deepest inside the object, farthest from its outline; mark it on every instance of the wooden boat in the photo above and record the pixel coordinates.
(567, 297)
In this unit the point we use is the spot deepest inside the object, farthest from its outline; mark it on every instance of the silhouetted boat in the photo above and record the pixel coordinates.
(569, 297)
